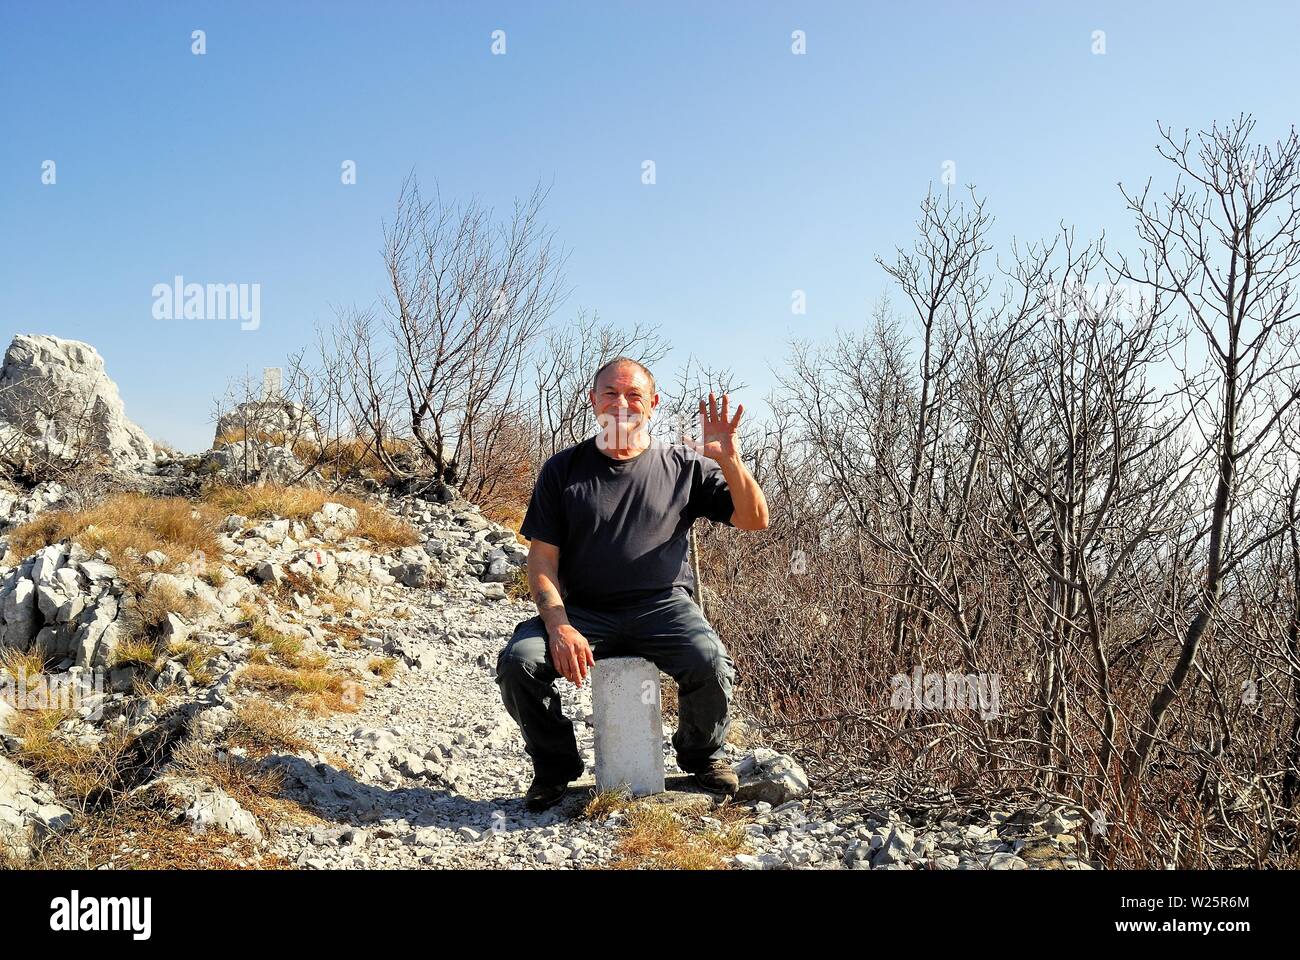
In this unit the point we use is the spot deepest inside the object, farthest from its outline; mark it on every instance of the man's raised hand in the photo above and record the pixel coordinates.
(572, 654)
(718, 439)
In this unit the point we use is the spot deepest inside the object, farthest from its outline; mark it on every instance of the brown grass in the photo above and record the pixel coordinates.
(160, 599)
(519, 588)
(351, 457)
(262, 728)
(337, 458)
(382, 667)
(602, 804)
(284, 648)
(348, 634)
(255, 788)
(196, 658)
(125, 521)
(18, 663)
(318, 691)
(77, 773)
(136, 652)
(655, 838)
(131, 835)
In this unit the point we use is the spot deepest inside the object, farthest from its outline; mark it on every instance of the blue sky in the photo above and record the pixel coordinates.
(775, 172)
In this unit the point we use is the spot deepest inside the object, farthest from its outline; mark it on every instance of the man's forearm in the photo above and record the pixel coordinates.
(546, 594)
(746, 496)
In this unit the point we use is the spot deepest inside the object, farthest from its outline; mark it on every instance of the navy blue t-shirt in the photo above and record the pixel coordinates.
(622, 525)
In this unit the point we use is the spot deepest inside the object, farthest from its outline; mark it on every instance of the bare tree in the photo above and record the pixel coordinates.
(469, 297)
(1223, 243)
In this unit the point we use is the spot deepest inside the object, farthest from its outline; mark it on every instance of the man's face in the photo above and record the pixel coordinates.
(624, 403)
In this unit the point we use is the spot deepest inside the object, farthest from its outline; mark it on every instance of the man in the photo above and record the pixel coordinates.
(608, 523)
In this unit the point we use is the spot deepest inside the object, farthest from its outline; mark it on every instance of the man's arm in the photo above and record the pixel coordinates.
(569, 648)
(720, 443)
(544, 584)
(747, 498)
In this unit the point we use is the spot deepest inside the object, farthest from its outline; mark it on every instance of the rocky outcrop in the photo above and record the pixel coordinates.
(28, 811)
(57, 404)
(255, 461)
(17, 506)
(278, 420)
(74, 607)
(68, 601)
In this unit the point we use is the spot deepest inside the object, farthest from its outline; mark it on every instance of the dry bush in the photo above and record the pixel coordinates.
(1010, 483)
(348, 458)
(500, 478)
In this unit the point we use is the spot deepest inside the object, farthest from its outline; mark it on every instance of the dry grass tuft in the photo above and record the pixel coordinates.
(318, 691)
(602, 804)
(22, 663)
(162, 597)
(262, 728)
(122, 523)
(285, 648)
(655, 838)
(254, 787)
(78, 773)
(196, 658)
(136, 652)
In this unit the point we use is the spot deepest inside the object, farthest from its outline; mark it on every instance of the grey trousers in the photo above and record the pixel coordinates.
(669, 631)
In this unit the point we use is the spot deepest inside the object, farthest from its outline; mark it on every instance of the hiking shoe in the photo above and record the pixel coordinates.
(718, 777)
(544, 794)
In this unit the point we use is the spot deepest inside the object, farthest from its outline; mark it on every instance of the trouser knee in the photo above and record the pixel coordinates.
(522, 659)
(706, 667)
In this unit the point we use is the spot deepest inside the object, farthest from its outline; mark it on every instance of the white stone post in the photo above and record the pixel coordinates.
(628, 724)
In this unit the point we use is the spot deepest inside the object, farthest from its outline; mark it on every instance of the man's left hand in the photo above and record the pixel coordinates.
(718, 440)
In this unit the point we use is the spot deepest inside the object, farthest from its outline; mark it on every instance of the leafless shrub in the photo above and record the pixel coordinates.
(1077, 472)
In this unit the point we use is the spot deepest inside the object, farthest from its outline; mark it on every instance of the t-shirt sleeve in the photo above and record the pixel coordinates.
(710, 495)
(545, 517)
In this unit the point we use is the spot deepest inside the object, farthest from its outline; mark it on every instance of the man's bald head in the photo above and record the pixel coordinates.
(619, 361)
